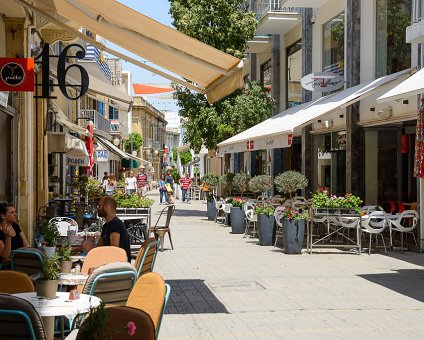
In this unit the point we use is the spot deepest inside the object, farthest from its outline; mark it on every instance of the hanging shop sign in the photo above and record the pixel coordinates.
(17, 74)
(102, 156)
(78, 161)
(322, 82)
(4, 97)
(62, 69)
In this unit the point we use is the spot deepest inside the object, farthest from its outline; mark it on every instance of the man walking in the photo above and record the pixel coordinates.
(142, 182)
(185, 183)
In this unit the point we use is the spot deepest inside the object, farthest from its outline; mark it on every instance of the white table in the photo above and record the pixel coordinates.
(69, 279)
(60, 306)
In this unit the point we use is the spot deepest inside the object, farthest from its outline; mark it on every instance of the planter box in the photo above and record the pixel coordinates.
(133, 211)
(335, 211)
(293, 233)
(211, 210)
(266, 229)
(237, 220)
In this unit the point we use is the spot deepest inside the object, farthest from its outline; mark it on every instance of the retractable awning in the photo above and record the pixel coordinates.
(414, 85)
(63, 120)
(105, 143)
(216, 73)
(73, 147)
(277, 131)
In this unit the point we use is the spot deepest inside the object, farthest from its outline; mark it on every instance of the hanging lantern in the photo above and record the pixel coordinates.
(404, 147)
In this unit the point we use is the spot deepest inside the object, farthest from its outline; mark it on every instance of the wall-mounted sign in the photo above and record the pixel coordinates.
(261, 143)
(322, 82)
(17, 74)
(4, 97)
(78, 161)
(102, 156)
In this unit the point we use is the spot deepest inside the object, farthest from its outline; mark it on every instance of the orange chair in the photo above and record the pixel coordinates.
(146, 256)
(13, 282)
(99, 256)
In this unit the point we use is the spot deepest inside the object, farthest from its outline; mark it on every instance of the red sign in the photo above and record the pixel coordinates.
(289, 139)
(17, 74)
(250, 144)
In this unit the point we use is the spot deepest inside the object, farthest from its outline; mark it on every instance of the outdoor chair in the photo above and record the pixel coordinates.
(150, 294)
(196, 193)
(278, 215)
(251, 218)
(226, 209)
(367, 209)
(99, 256)
(219, 205)
(146, 257)
(27, 260)
(13, 282)
(19, 319)
(112, 283)
(375, 224)
(64, 224)
(160, 230)
(406, 223)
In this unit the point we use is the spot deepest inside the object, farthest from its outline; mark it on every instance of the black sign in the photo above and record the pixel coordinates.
(12, 74)
(62, 70)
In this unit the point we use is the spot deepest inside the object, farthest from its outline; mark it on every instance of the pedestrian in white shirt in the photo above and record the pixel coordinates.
(130, 184)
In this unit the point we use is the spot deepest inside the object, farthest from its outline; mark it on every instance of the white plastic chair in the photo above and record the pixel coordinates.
(399, 226)
(278, 215)
(64, 224)
(251, 218)
(375, 224)
(219, 205)
(226, 209)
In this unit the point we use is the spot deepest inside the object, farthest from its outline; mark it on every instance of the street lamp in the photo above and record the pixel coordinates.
(156, 152)
(116, 141)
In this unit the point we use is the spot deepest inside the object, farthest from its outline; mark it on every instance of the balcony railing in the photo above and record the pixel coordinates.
(100, 123)
(262, 7)
(93, 53)
(119, 128)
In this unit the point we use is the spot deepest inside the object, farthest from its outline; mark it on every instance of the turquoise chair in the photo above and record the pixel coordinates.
(27, 260)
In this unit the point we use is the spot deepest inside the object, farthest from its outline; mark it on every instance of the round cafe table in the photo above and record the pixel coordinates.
(60, 306)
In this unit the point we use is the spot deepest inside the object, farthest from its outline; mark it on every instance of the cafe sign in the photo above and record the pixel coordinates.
(77, 161)
(322, 82)
(102, 156)
(17, 74)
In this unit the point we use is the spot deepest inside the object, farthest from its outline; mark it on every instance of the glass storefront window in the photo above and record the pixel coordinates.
(393, 53)
(266, 74)
(294, 74)
(333, 44)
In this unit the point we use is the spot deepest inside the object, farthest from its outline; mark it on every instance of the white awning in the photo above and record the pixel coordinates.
(73, 147)
(414, 85)
(277, 131)
(63, 120)
(167, 48)
(105, 143)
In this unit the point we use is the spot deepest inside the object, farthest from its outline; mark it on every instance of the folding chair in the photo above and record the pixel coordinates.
(160, 230)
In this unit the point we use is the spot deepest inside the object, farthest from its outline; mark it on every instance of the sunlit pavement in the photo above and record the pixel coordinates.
(225, 286)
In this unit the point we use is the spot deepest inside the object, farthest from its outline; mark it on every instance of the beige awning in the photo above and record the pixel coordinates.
(108, 145)
(165, 47)
(63, 120)
(65, 143)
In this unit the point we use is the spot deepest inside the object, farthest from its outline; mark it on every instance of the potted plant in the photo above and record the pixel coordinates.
(47, 284)
(294, 230)
(64, 255)
(261, 184)
(50, 236)
(237, 216)
(226, 182)
(290, 181)
(266, 224)
(211, 180)
(241, 182)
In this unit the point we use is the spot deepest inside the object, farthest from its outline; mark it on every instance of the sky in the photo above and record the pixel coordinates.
(159, 11)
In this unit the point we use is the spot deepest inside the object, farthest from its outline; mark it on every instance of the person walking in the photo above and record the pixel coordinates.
(185, 183)
(109, 185)
(130, 184)
(162, 190)
(142, 182)
(169, 184)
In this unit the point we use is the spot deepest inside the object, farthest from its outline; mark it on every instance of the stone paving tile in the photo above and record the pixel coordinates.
(225, 286)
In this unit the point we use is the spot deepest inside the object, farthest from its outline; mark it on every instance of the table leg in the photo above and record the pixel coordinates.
(48, 322)
(62, 327)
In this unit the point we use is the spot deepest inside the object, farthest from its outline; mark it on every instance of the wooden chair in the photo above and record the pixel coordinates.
(19, 319)
(13, 282)
(160, 230)
(150, 294)
(99, 256)
(146, 257)
(27, 260)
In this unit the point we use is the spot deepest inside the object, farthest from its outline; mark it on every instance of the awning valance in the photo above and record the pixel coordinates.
(73, 147)
(165, 47)
(414, 85)
(277, 131)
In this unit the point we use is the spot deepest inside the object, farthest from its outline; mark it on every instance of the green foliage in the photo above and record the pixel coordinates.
(175, 175)
(65, 252)
(235, 202)
(266, 209)
(50, 234)
(132, 201)
(320, 200)
(174, 154)
(261, 183)
(93, 188)
(241, 182)
(290, 181)
(51, 268)
(137, 142)
(349, 201)
(293, 214)
(226, 181)
(93, 327)
(211, 180)
(186, 157)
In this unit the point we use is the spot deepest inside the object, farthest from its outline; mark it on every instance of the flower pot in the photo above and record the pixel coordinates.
(228, 219)
(65, 266)
(266, 229)
(293, 233)
(46, 288)
(237, 220)
(50, 251)
(211, 210)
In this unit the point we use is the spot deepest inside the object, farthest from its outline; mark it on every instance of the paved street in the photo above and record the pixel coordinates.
(225, 286)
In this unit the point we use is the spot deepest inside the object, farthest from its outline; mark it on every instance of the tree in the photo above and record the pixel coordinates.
(224, 25)
(133, 143)
(185, 157)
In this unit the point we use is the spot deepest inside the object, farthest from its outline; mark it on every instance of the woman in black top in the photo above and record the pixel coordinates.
(11, 235)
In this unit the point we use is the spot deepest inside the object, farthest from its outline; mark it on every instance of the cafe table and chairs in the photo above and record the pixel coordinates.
(60, 306)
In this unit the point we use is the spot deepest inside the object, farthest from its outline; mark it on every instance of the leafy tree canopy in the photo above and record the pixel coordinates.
(186, 157)
(134, 142)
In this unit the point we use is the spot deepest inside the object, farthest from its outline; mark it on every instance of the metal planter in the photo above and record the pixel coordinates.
(293, 233)
(266, 229)
(237, 220)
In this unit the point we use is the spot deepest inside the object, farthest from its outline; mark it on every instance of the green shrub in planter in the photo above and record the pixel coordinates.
(290, 181)
(241, 182)
(260, 184)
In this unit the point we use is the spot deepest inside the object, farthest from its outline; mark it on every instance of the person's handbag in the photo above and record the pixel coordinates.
(168, 188)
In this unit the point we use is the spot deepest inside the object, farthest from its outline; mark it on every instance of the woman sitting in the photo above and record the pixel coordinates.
(11, 235)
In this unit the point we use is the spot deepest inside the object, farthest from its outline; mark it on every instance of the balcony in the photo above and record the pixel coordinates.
(100, 123)
(119, 128)
(275, 18)
(304, 3)
(93, 53)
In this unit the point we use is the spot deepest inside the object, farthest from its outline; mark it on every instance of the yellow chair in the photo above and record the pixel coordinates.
(150, 294)
(99, 256)
(146, 256)
(13, 282)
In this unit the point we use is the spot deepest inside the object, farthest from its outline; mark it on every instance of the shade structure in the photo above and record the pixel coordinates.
(148, 89)
(73, 147)
(277, 131)
(63, 120)
(167, 48)
(414, 85)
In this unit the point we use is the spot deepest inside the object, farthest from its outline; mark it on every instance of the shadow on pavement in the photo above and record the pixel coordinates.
(186, 212)
(192, 296)
(408, 282)
(410, 257)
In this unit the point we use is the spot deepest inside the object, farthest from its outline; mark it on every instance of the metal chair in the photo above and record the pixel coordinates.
(160, 230)
(375, 224)
(27, 260)
(226, 209)
(278, 215)
(64, 224)
(13, 282)
(251, 218)
(399, 225)
(146, 256)
(219, 205)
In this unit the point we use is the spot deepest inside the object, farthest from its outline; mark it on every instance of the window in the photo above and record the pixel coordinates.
(393, 53)
(294, 74)
(266, 74)
(334, 45)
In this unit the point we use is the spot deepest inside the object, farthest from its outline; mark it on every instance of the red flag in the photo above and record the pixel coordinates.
(90, 148)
